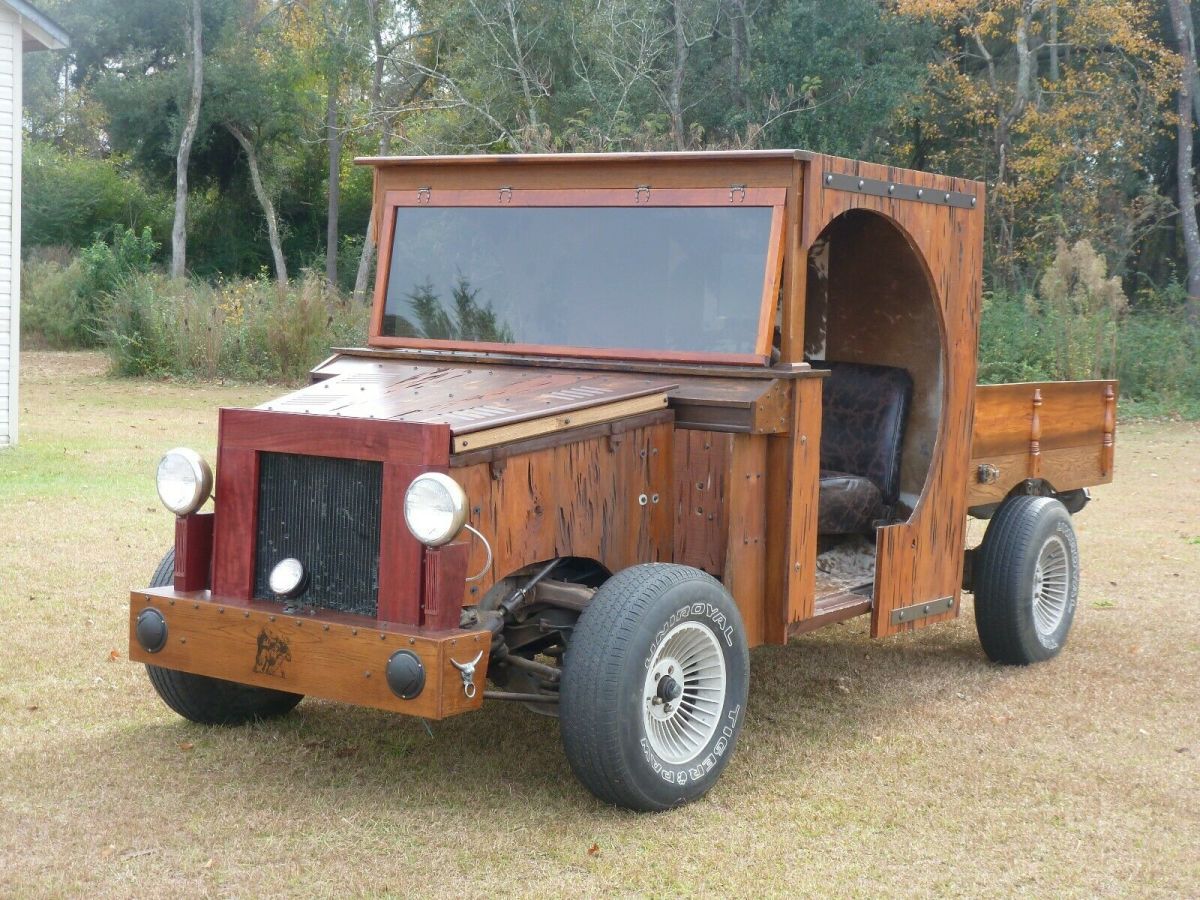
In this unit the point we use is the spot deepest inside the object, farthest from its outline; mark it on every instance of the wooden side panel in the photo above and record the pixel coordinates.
(922, 559)
(793, 465)
(701, 514)
(578, 499)
(746, 555)
(328, 656)
(1063, 432)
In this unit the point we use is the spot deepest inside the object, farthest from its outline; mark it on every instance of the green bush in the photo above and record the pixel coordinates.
(72, 200)
(239, 329)
(65, 306)
(50, 301)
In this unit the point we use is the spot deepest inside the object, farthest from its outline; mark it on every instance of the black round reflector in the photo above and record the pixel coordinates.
(405, 674)
(151, 630)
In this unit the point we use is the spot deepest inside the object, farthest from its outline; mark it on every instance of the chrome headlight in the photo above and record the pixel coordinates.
(435, 508)
(184, 481)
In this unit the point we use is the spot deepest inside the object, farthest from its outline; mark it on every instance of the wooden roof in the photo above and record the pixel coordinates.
(528, 158)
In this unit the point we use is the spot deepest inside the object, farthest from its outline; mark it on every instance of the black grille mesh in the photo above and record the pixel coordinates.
(325, 512)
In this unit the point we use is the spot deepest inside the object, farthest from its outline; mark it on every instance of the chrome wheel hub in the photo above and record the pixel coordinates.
(684, 693)
(1051, 586)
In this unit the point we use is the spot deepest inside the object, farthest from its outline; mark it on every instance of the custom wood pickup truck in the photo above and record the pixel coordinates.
(621, 419)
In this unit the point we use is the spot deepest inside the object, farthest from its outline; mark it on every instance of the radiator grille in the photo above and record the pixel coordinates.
(325, 512)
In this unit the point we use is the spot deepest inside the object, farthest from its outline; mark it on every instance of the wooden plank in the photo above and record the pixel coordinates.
(505, 162)
(702, 461)
(557, 439)
(606, 412)
(334, 657)
(1065, 469)
(1072, 414)
(745, 559)
(922, 558)
(347, 438)
(794, 473)
(193, 551)
(546, 503)
(236, 522)
(467, 398)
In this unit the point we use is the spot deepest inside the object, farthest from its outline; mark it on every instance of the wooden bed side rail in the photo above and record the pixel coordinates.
(1063, 432)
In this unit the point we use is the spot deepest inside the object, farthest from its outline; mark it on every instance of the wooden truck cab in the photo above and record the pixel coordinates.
(632, 372)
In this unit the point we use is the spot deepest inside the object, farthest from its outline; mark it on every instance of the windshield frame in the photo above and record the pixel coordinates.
(773, 197)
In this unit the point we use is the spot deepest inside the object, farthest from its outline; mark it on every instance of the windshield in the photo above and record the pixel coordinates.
(670, 278)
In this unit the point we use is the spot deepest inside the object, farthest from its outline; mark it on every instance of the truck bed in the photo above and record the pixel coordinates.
(1062, 432)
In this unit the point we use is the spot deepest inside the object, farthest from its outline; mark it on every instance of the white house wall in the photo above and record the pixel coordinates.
(10, 219)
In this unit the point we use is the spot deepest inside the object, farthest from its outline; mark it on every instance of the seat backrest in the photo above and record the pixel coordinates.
(864, 411)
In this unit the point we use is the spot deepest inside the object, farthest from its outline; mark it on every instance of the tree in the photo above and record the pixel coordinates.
(1181, 22)
(257, 97)
(1065, 155)
(179, 227)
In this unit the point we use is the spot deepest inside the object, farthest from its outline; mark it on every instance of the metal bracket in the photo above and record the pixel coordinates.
(739, 189)
(897, 191)
(424, 194)
(505, 195)
(918, 611)
(639, 190)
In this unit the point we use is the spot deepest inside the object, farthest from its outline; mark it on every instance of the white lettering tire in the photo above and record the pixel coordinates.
(654, 687)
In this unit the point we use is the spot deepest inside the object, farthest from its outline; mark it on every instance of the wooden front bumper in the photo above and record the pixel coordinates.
(329, 655)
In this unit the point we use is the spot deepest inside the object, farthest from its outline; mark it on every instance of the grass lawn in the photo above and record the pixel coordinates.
(908, 766)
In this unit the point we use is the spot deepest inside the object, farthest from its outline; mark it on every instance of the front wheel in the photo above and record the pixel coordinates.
(654, 687)
(1027, 581)
(212, 701)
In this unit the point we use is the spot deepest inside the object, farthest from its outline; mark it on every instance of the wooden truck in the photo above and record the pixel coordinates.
(621, 419)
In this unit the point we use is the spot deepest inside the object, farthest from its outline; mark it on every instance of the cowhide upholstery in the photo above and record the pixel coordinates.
(862, 433)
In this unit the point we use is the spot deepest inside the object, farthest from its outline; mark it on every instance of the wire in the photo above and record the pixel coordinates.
(487, 565)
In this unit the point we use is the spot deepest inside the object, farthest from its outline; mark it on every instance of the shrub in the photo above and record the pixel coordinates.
(239, 329)
(72, 200)
(66, 306)
(1068, 330)
(49, 301)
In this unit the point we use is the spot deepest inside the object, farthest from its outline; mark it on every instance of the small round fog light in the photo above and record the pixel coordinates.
(151, 630)
(288, 578)
(405, 674)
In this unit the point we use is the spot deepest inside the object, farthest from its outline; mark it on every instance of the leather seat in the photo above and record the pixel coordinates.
(865, 408)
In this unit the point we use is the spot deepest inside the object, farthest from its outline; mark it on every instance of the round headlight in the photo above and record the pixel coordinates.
(184, 481)
(435, 508)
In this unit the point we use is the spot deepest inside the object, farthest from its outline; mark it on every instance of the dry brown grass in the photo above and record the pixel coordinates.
(909, 766)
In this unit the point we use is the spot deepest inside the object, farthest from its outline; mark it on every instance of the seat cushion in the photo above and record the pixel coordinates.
(865, 408)
(847, 504)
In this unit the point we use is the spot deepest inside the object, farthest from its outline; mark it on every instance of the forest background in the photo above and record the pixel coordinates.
(191, 204)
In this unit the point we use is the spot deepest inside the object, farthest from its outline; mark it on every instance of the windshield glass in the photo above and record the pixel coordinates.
(668, 278)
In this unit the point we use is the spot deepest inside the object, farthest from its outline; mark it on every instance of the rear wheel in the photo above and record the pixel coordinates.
(654, 687)
(1026, 581)
(212, 701)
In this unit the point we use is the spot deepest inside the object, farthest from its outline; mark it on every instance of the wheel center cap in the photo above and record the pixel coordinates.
(669, 690)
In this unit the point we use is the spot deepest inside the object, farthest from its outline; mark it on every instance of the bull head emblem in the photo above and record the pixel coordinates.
(467, 671)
